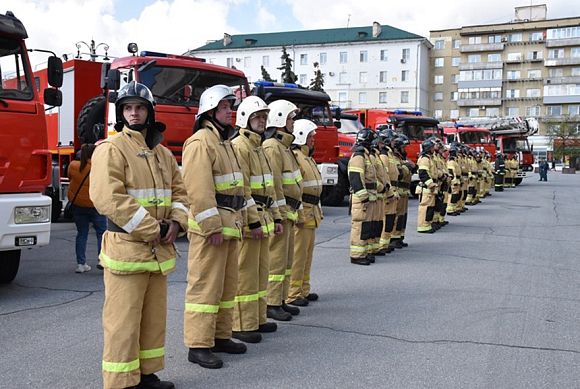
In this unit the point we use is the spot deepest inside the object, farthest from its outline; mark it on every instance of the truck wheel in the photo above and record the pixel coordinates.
(517, 181)
(332, 195)
(9, 263)
(91, 120)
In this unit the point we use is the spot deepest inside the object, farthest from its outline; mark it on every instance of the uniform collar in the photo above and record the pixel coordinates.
(284, 138)
(305, 150)
(254, 138)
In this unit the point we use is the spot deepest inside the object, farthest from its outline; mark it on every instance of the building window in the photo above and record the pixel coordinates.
(535, 73)
(454, 78)
(555, 53)
(474, 40)
(512, 93)
(303, 59)
(513, 111)
(382, 97)
(342, 78)
(456, 43)
(342, 99)
(404, 75)
(383, 76)
(474, 58)
(265, 61)
(533, 92)
(438, 96)
(455, 61)
(406, 54)
(439, 44)
(343, 57)
(323, 58)
(554, 110)
(514, 56)
(535, 55)
(473, 112)
(454, 114)
(516, 37)
(574, 110)
(454, 96)
(574, 71)
(491, 112)
(536, 36)
(575, 52)
(362, 97)
(303, 79)
(533, 111)
(439, 62)
(404, 97)
(364, 56)
(494, 57)
(438, 79)
(564, 33)
(230, 62)
(247, 62)
(513, 74)
(558, 72)
(438, 113)
(494, 39)
(384, 55)
(363, 77)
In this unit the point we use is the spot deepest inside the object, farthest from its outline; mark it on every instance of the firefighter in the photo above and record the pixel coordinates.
(440, 170)
(481, 175)
(304, 233)
(288, 192)
(489, 173)
(427, 188)
(259, 213)
(454, 170)
(464, 165)
(472, 178)
(363, 183)
(391, 195)
(136, 183)
(215, 188)
(379, 207)
(406, 169)
(499, 172)
(514, 167)
(509, 176)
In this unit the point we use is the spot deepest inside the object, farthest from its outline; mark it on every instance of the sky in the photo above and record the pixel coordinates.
(175, 26)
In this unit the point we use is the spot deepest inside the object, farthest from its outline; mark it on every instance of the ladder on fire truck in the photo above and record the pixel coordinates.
(500, 125)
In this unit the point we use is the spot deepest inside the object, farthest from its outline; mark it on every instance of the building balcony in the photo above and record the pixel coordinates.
(529, 79)
(481, 65)
(562, 80)
(563, 42)
(514, 60)
(563, 99)
(481, 47)
(522, 98)
(562, 61)
(560, 119)
(478, 102)
(479, 84)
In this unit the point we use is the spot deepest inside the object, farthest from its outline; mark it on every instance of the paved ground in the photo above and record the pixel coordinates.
(490, 301)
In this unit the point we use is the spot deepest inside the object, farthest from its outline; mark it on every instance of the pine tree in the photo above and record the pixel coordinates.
(286, 68)
(317, 82)
(266, 75)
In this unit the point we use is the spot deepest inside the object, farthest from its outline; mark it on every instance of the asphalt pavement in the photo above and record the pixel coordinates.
(490, 301)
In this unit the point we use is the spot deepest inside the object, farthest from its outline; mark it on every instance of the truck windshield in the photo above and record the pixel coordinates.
(349, 126)
(418, 131)
(471, 137)
(184, 86)
(319, 114)
(13, 71)
(515, 144)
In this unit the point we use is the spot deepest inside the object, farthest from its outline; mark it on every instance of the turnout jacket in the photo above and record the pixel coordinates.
(392, 165)
(215, 184)
(427, 172)
(383, 182)
(362, 176)
(312, 187)
(135, 186)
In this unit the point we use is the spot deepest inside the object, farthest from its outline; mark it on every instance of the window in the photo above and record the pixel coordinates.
(575, 52)
(454, 114)
(439, 44)
(438, 96)
(247, 62)
(384, 55)
(494, 39)
(555, 53)
(343, 57)
(342, 99)
(323, 58)
(556, 72)
(564, 33)
(533, 92)
(516, 37)
(535, 54)
(265, 61)
(342, 78)
(438, 113)
(513, 74)
(536, 36)
(303, 79)
(513, 111)
(554, 110)
(514, 57)
(456, 43)
(454, 78)
(362, 97)
(533, 111)
(406, 54)
(494, 57)
(474, 40)
(535, 73)
(573, 71)
(574, 110)
(454, 96)
(474, 58)
(438, 79)
(364, 56)
(303, 59)
(491, 112)
(404, 97)
(404, 75)
(455, 61)
(473, 112)
(382, 97)
(512, 93)
(363, 77)
(439, 62)
(383, 76)
(230, 62)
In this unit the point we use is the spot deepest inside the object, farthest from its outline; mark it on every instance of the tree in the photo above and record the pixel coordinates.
(286, 68)
(565, 138)
(317, 82)
(265, 74)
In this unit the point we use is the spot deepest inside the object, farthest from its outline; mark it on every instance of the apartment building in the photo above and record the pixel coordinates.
(376, 66)
(529, 67)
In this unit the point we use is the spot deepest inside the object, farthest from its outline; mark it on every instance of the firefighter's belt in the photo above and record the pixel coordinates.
(372, 185)
(113, 227)
(402, 185)
(229, 201)
(293, 202)
(464, 174)
(310, 199)
(266, 201)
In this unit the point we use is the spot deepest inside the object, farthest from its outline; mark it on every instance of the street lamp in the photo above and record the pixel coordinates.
(92, 49)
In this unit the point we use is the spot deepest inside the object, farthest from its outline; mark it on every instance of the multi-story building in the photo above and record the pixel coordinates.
(529, 67)
(376, 66)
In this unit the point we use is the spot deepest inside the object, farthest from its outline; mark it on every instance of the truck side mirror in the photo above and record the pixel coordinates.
(113, 79)
(53, 97)
(55, 71)
(337, 114)
(112, 97)
(337, 124)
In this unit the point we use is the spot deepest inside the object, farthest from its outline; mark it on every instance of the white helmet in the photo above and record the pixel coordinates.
(280, 110)
(211, 97)
(247, 107)
(303, 128)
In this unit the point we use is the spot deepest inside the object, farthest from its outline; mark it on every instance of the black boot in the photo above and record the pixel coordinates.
(151, 381)
(228, 346)
(267, 327)
(380, 253)
(397, 244)
(204, 358)
(371, 258)
(403, 243)
(312, 297)
(299, 302)
(247, 336)
(277, 313)
(360, 261)
(291, 310)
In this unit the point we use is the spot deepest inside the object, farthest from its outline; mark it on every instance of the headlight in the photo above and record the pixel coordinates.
(332, 170)
(24, 215)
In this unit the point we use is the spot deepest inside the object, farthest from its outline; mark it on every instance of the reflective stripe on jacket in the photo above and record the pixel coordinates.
(362, 176)
(311, 214)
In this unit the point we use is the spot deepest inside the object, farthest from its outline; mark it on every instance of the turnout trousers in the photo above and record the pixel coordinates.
(361, 230)
(250, 301)
(426, 210)
(389, 221)
(212, 282)
(134, 316)
(401, 221)
(453, 205)
(303, 252)
(281, 255)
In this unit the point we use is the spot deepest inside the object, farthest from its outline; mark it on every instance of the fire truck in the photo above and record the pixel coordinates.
(475, 137)
(313, 106)
(24, 155)
(87, 113)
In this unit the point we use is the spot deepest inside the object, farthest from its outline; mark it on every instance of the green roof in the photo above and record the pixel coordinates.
(309, 37)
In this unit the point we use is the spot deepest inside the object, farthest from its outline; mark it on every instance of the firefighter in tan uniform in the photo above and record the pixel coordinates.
(136, 183)
(427, 188)
(260, 212)
(454, 170)
(391, 195)
(406, 168)
(288, 192)
(440, 169)
(514, 166)
(215, 187)
(304, 233)
(363, 183)
(472, 178)
(383, 185)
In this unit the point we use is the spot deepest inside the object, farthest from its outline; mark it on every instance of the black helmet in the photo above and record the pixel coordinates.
(365, 137)
(428, 145)
(386, 135)
(454, 147)
(134, 92)
(400, 141)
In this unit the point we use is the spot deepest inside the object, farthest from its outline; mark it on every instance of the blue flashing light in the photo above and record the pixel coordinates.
(279, 84)
(405, 112)
(152, 54)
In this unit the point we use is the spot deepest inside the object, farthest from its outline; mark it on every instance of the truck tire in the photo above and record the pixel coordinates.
(91, 120)
(9, 263)
(332, 195)
(518, 181)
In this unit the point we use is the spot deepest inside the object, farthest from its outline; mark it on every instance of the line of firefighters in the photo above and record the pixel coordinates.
(380, 178)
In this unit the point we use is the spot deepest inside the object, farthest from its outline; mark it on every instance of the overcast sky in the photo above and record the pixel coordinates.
(178, 25)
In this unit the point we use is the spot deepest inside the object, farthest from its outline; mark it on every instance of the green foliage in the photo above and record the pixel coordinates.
(286, 68)
(565, 138)
(317, 83)
(266, 75)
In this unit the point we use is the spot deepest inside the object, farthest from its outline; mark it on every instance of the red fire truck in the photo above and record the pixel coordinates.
(475, 137)
(24, 154)
(87, 113)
